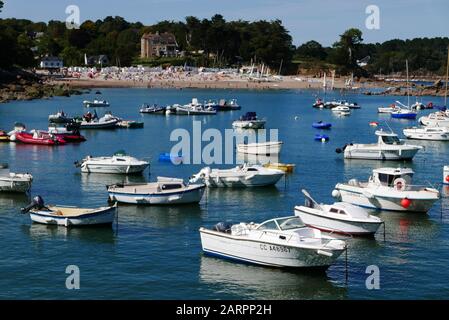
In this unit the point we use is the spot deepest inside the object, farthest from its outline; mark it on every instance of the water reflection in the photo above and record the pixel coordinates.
(253, 282)
(160, 216)
(13, 200)
(97, 181)
(41, 233)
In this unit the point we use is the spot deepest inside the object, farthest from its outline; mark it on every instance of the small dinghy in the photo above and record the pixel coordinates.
(154, 109)
(14, 182)
(69, 216)
(241, 176)
(130, 124)
(249, 121)
(68, 132)
(266, 148)
(230, 105)
(164, 191)
(95, 103)
(60, 117)
(39, 138)
(4, 137)
(172, 158)
(108, 121)
(286, 167)
(321, 137)
(281, 242)
(321, 125)
(339, 217)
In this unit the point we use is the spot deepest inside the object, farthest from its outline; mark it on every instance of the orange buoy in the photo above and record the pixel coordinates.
(405, 203)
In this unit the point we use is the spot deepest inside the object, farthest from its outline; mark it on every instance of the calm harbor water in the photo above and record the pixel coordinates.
(156, 252)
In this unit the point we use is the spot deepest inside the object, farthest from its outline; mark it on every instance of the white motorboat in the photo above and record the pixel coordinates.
(240, 176)
(427, 133)
(435, 119)
(119, 163)
(95, 103)
(388, 189)
(249, 121)
(195, 110)
(339, 217)
(14, 182)
(69, 216)
(108, 121)
(164, 191)
(388, 147)
(390, 109)
(342, 110)
(344, 103)
(280, 242)
(266, 148)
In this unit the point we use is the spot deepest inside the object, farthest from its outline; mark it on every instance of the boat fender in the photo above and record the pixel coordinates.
(324, 253)
(336, 194)
(37, 203)
(399, 184)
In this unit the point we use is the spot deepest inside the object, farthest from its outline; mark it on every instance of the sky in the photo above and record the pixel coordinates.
(320, 20)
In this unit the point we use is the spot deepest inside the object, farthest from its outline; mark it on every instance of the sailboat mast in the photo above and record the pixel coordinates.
(447, 77)
(408, 88)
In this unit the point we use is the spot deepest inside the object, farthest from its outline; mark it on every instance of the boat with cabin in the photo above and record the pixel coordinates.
(339, 217)
(249, 121)
(165, 191)
(388, 189)
(427, 133)
(119, 163)
(388, 147)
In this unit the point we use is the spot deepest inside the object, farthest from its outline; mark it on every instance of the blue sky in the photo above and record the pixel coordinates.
(321, 20)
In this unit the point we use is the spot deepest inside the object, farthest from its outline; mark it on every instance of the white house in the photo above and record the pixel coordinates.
(51, 63)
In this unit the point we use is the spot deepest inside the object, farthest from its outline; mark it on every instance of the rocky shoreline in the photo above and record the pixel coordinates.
(22, 85)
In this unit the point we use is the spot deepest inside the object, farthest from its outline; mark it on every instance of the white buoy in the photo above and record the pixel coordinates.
(323, 140)
(296, 117)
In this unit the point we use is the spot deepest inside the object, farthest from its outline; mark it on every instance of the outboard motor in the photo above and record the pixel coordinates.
(224, 227)
(340, 150)
(37, 203)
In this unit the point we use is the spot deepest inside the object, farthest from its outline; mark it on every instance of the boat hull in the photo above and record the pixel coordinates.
(8, 184)
(99, 125)
(193, 195)
(103, 217)
(356, 196)
(263, 253)
(329, 224)
(421, 135)
(113, 168)
(352, 152)
(242, 181)
(256, 124)
(266, 149)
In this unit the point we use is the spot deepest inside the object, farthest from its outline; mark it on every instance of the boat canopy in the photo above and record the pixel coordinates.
(388, 176)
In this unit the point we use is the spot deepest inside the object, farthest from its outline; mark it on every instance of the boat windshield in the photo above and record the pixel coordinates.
(290, 223)
(388, 179)
(391, 140)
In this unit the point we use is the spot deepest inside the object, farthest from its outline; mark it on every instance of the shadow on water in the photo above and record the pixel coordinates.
(253, 282)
